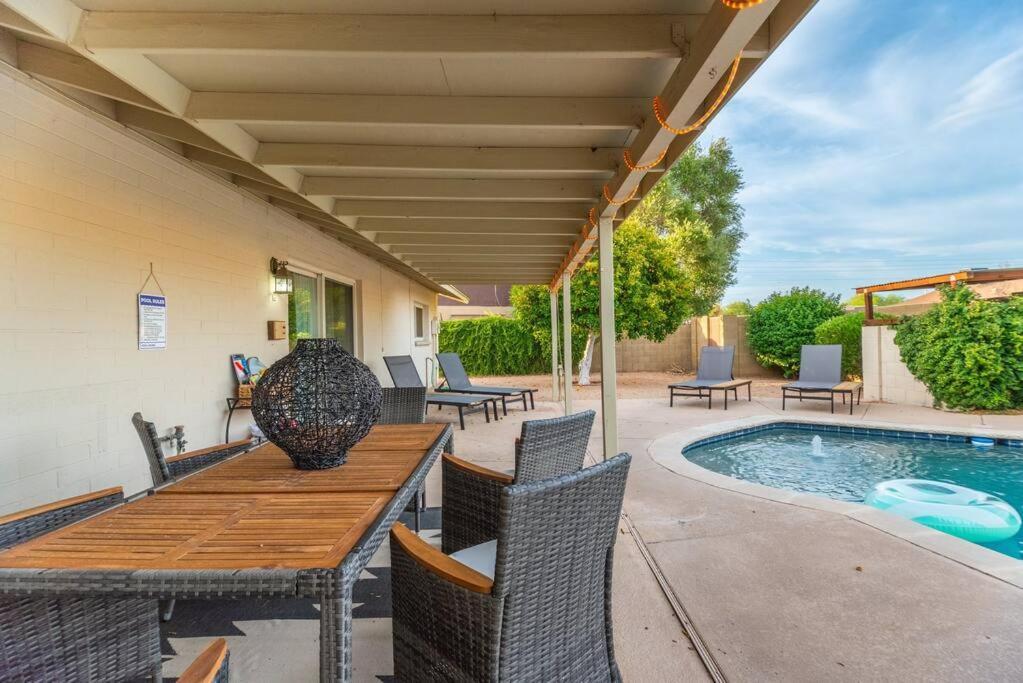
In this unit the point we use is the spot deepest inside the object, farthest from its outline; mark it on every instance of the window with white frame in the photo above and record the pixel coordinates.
(322, 305)
(420, 324)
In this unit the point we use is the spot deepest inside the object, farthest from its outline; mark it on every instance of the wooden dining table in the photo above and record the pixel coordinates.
(250, 527)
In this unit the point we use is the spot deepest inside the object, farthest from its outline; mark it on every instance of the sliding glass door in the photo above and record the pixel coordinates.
(339, 312)
(303, 309)
(321, 306)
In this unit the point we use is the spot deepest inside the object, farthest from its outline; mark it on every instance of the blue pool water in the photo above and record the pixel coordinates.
(851, 463)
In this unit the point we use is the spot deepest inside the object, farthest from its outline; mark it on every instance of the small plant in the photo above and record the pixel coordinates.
(968, 351)
(779, 326)
(847, 331)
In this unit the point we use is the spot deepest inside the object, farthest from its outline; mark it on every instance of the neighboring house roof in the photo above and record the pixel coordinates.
(921, 303)
(480, 295)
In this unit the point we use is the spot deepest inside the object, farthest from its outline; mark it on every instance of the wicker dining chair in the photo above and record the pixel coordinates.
(211, 666)
(533, 604)
(73, 638)
(470, 493)
(406, 405)
(403, 405)
(164, 469)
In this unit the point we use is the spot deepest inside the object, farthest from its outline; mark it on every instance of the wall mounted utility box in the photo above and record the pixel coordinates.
(276, 330)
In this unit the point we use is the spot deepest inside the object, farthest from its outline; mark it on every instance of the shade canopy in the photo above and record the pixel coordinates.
(453, 140)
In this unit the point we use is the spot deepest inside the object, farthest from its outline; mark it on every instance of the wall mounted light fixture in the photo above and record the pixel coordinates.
(282, 282)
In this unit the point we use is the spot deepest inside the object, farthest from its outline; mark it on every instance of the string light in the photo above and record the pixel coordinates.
(627, 157)
(740, 4)
(591, 219)
(612, 202)
(661, 119)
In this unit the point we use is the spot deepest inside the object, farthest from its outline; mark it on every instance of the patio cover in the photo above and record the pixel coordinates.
(454, 141)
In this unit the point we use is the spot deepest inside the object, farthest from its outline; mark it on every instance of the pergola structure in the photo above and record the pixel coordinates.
(453, 141)
(967, 276)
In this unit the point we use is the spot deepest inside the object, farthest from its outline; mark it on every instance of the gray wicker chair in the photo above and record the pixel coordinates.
(211, 666)
(94, 638)
(533, 605)
(403, 406)
(470, 493)
(166, 469)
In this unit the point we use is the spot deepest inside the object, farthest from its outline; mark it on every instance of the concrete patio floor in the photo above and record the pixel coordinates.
(776, 590)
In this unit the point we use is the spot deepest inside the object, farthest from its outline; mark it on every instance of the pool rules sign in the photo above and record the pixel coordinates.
(152, 322)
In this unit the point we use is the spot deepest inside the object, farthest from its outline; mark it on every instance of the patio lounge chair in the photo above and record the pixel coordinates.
(713, 374)
(95, 638)
(471, 494)
(454, 375)
(534, 603)
(820, 372)
(404, 375)
(165, 469)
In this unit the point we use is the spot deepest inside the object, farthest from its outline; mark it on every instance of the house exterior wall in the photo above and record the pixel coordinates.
(85, 207)
(885, 377)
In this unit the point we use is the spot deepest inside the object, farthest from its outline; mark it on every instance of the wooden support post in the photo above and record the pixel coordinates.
(555, 383)
(566, 318)
(608, 368)
(868, 305)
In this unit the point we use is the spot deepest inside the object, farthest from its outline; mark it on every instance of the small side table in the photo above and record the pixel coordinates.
(234, 404)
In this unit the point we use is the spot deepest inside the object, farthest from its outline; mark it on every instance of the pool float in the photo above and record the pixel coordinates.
(971, 515)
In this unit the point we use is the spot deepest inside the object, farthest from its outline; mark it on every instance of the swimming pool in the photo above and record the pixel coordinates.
(852, 459)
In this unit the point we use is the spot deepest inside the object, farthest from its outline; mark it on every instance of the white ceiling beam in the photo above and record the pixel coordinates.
(234, 165)
(452, 188)
(167, 126)
(458, 226)
(483, 261)
(633, 36)
(58, 19)
(720, 40)
(77, 72)
(411, 250)
(12, 20)
(449, 209)
(592, 113)
(570, 161)
(406, 239)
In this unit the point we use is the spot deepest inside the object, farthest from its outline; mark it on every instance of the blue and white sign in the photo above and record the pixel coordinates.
(152, 322)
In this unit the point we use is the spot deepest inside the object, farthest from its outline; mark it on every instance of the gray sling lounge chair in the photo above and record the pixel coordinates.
(404, 375)
(454, 374)
(820, 372)
(471, 493)
(713, 374)
(532, 604)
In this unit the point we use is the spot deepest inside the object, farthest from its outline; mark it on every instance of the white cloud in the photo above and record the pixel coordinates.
(881, 145)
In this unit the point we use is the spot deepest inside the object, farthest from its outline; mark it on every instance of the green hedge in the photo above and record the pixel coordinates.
(779, 325)
(968, 351)
(494, 345)
(847, 331)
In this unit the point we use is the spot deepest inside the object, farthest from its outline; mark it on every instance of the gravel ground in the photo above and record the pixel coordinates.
(630, 385)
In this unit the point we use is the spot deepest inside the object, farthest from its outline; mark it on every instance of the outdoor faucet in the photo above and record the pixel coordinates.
(177, 437)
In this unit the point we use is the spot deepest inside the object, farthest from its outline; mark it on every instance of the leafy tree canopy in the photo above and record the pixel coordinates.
(782, 323)
(674, 255)
(736, 308)
(879, 300)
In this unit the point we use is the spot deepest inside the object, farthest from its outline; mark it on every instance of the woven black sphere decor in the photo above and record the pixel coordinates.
(316, 403)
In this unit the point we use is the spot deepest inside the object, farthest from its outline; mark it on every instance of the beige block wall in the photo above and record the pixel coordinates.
(681, 350)
(85, 206)
(885, 377)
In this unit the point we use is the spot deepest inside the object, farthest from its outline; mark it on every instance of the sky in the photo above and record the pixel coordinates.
(883, 140)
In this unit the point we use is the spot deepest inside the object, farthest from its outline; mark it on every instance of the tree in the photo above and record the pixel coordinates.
(879, 300)
(780, 325)
(737, 308)
(674, 257)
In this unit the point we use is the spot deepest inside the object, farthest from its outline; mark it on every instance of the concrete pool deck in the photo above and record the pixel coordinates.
(784, 591)
(775, 589)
